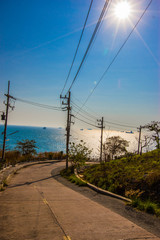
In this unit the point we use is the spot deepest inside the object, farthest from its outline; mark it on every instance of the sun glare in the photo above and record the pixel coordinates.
(122, 10)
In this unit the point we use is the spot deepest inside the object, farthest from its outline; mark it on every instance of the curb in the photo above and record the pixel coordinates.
(100, 190)
(17, 167)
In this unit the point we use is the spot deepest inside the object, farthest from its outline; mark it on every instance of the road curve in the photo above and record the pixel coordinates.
(36, 206)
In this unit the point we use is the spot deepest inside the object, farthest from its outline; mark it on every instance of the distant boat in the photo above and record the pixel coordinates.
(129, 132)
(44, 127)
(89, 128)
(81, 129)
(60, 128)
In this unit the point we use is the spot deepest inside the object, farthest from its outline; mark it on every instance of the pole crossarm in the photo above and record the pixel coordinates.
(7, 95)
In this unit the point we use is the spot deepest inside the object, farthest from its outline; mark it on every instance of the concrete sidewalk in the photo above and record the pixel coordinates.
(36, 206)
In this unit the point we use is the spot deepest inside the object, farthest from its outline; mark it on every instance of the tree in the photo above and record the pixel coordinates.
(79, 154)
(26, 147)
(154, 127)
(115, 146)
(145, 143)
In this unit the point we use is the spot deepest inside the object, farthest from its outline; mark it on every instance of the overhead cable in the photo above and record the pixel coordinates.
(39, 104)
(112, 123)
(84, 117)
(90, 42)
(118, 52)
(92, 115)
(122, 125)
(84, 112)
(77, 46)
(87, 122)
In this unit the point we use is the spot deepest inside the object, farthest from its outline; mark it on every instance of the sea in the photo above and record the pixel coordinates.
(53, 139)
(47, 139)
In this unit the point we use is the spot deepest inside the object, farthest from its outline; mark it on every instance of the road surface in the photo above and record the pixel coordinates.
(37, 206)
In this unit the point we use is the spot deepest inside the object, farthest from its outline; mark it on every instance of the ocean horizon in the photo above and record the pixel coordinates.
(53, 139)
(47, 139)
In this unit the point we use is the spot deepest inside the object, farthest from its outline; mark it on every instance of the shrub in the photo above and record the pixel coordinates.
(12, 157)
(54, 155)
(136, 177)
(78, 154)
(26, 147)
(69, 174)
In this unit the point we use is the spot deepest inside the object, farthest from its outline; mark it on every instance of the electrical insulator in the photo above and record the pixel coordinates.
(3, 117)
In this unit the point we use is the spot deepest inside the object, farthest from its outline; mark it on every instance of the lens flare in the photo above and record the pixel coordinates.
(122, 10)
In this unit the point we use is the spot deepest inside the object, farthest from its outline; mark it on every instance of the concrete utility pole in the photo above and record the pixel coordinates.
(69, 115)
(100, 124)
(139, 140)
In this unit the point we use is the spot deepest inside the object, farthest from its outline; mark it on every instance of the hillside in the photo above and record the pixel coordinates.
(136, 177)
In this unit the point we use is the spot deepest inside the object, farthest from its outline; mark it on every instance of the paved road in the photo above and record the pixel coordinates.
(37, 206)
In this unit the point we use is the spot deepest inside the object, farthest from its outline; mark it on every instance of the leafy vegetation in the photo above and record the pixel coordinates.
(79, 154)
(51, 155)
(146, 206)
(25, 151)
(114, 146)
(154, 127)
(135, 176)
(69, 174)
(26, 147)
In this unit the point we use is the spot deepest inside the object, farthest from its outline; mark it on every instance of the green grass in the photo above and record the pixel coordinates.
(146, 206)
(72, 177)
(135, 177)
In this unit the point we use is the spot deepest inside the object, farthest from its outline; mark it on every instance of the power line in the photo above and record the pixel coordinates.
(85, 117)
(86, 113)
(87, 122)
(92, 116)
(122, 125)
(38, 104)
(112, 123)
(90, 42)
(77, 46)
(120, 49)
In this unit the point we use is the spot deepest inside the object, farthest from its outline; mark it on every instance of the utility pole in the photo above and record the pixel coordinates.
(100, 124)
(5, 117)
(5, 126)
(139, 140)
(69, 115)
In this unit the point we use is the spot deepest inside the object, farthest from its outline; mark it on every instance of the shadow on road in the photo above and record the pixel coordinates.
(29, 183)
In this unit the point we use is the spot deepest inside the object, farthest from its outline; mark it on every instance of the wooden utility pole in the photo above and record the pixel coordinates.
(100, 124)
(68, 108)
(5, 126)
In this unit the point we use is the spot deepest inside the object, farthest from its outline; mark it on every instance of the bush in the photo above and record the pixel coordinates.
(54, 155)
(146, 206)
(27, 147)
(79, 154)
(69, 174)
(12, 157)
(136, 177)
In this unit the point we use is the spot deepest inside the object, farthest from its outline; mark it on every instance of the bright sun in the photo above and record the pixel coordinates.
(122, 10)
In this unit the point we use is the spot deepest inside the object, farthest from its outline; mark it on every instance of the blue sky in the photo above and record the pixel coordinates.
(37, 44)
